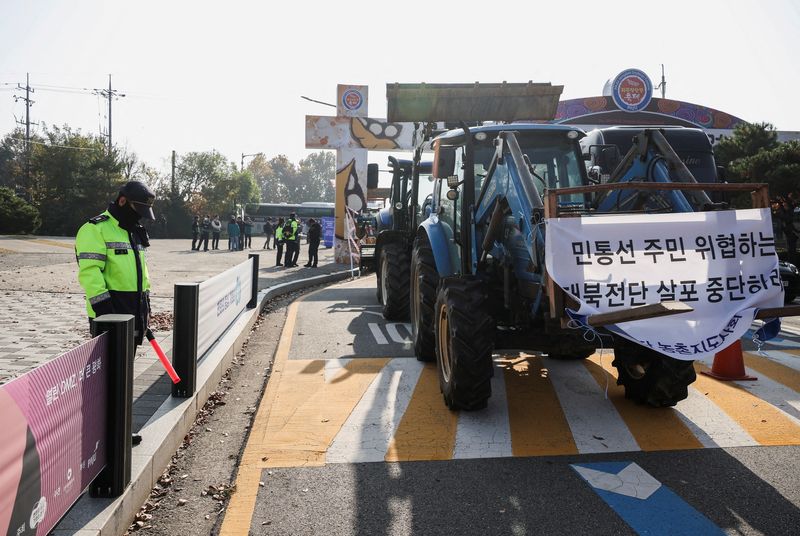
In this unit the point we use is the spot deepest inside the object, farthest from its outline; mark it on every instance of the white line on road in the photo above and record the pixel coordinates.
(369, 429)
(377, 333)
(391, 329)
(596, 426)
(709, 424)
(486, 433)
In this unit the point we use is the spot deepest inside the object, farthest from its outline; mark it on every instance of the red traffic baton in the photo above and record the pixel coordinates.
(163, 358)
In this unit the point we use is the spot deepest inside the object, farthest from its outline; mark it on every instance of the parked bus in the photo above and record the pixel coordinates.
(261, 211)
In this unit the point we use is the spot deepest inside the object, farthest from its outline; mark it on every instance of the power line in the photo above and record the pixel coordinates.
(109, 94)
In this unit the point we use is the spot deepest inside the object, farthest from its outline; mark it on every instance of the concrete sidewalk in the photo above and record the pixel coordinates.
(46, 316)
(44, 306)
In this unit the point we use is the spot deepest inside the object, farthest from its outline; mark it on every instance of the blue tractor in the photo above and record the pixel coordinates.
(396, 224)
(478, 277)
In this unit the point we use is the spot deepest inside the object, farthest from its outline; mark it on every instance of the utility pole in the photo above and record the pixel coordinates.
(663, 84)
(28, 103)
(109, 94)
(174, 186)
(244, 155)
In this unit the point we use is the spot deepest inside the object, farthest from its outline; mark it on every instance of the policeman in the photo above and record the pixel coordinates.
(110, 249)
(292, 241)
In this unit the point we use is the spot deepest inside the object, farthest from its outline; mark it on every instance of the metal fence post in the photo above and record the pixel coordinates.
(254, 297)
(184, 338)
(113, 480)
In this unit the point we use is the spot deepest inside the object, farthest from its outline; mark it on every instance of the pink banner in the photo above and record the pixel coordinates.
(53, 420)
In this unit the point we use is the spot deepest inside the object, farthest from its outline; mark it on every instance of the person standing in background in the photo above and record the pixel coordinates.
(269, 229)
(279, 241)
(205, 230)
(240, 223)
(291, 235)
(195, 233)
(313, 239)
(233, 235)
(248, 233)
(216, 229)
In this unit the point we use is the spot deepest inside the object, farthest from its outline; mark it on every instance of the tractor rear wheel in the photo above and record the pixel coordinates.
(650, 377)
(393, 278)
(424, 280)
(464, 341)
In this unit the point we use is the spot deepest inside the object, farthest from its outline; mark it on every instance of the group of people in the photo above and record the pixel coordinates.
(240, 233)
(286, 232)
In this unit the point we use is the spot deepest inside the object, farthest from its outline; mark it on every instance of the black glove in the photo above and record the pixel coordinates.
(104, 307)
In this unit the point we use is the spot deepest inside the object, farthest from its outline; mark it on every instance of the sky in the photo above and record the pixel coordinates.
(229, 75)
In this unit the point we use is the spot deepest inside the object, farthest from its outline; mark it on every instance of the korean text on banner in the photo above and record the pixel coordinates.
(53, 420)
(723, 264)
(221, 299)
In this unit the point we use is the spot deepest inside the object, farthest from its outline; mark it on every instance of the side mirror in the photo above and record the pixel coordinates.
(452, 195)
(444, 161)
(372, 176)
(722, 174)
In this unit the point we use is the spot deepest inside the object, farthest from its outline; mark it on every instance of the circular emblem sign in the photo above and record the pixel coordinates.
(632, 90)
(352, 99)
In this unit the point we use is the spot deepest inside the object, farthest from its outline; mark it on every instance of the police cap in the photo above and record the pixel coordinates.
(140, 197)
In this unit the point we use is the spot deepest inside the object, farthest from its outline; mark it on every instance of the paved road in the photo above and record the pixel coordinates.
(352, 437)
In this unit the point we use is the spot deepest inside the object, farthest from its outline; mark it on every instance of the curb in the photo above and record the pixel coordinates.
(164, 432)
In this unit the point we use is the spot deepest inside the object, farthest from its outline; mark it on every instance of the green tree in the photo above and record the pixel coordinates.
(197, 175)
(73, 177)
(17, 216)
(272, 189)
(754, 154)
(317, 174)
(747, 140)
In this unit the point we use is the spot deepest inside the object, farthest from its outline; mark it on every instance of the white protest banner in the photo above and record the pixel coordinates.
(221, 299)
(723, 264)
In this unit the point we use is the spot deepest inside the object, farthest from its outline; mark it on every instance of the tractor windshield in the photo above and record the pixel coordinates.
(555, 162)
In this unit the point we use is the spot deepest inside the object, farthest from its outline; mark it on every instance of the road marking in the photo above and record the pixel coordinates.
(786, 357)
(538, 426)
(653, 428)
(709, 424)
(428, 429)
(643, 502)
(788, 376)
(334, 366)
(764, 422)
(368, 431)
(486, 433)
(596, 426)
(239, 513)
(632, 481)
(377, 333)
(391, 329)
(301, 434)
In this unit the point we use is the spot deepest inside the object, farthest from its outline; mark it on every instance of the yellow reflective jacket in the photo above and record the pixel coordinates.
(112, 270)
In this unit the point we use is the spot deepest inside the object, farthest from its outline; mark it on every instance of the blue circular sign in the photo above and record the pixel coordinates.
(632, 90)
(352, 99)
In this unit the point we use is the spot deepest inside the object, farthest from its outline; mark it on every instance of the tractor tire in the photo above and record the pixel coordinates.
(424, 281)
(665, 381)
(393, 277)
(464, 341)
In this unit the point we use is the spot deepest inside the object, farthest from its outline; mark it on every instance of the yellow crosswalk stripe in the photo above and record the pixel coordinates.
(764, 422)
(538, 426)
(653, 428)
(775, 371)
(427, 430)
(310, 412)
